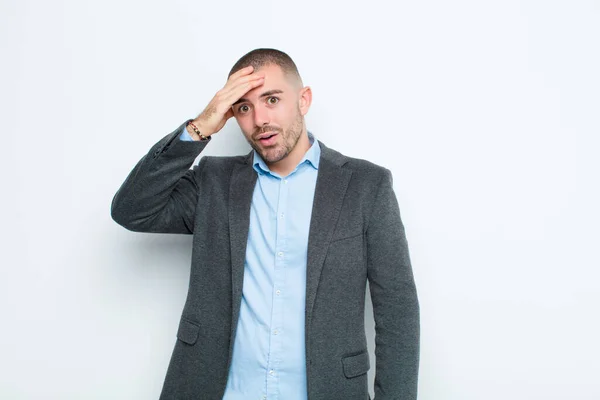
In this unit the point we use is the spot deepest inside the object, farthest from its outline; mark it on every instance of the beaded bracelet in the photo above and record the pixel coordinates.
(195, 129)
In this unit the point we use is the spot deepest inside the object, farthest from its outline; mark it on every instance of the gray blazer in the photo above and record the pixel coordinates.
(356, 235)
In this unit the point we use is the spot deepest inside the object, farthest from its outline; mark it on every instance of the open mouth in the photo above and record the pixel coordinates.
(268, 139)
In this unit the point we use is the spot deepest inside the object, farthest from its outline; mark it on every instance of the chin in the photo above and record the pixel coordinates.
(275, 155)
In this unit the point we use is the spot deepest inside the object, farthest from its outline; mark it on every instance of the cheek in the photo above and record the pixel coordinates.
(287, 116)
(245, 122)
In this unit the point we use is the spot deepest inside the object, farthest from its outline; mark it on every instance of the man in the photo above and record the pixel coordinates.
(285, 239)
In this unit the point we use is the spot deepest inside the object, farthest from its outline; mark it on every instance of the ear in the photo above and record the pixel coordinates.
(305, 100)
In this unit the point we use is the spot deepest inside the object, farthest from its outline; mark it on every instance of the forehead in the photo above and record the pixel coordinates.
(275, 78)
(272, 72)
(276, 82)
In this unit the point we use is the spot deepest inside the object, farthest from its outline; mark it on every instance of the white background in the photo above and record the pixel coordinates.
(487, 113)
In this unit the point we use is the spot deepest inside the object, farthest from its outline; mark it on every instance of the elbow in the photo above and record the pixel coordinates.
(121, 213)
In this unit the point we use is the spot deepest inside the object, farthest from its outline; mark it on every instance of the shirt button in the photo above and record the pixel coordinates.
(285, 181)
(282, 215)
(275, 332)
(278, 292)
(264, 398)
(280, 254)
(272, 373)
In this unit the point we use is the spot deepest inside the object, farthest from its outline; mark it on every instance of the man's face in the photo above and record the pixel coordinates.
(270, 116)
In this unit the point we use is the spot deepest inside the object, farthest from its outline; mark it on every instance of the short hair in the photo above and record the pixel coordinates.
(260, 57)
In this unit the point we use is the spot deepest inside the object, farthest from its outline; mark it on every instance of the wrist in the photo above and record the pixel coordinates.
(196, 131)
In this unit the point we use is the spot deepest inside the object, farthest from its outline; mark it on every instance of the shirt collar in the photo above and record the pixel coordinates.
(311, 157)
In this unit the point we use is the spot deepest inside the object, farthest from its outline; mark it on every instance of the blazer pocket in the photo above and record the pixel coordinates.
(188, 332)
(356, 365)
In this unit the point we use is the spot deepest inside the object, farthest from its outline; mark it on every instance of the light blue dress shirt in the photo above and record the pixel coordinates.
(269, 352)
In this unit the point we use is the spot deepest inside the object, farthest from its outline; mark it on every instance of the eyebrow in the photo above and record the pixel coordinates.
(267, 93)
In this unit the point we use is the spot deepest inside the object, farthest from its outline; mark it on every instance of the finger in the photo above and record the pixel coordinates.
(242, 86)
(244, 71)
(236, 92)
(243, 79)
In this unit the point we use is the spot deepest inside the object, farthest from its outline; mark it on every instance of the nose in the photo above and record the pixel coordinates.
(261, 116)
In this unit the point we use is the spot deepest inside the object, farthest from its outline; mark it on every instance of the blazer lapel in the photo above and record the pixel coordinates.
(241, 188)
(332, 182)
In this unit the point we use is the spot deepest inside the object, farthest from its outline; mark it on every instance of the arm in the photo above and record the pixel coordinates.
(394, 297)
(160, 193)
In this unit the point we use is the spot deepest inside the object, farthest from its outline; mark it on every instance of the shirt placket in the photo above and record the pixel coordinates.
(277, 333)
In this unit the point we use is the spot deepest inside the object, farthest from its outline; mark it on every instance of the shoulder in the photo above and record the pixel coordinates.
(223, 164)
(362, 169)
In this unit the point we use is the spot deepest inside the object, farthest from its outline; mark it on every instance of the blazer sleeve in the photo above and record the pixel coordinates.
(161, 192)
(394, 298)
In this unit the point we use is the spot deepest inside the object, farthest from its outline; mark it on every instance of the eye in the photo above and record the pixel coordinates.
(273, 98)
(243, 108)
